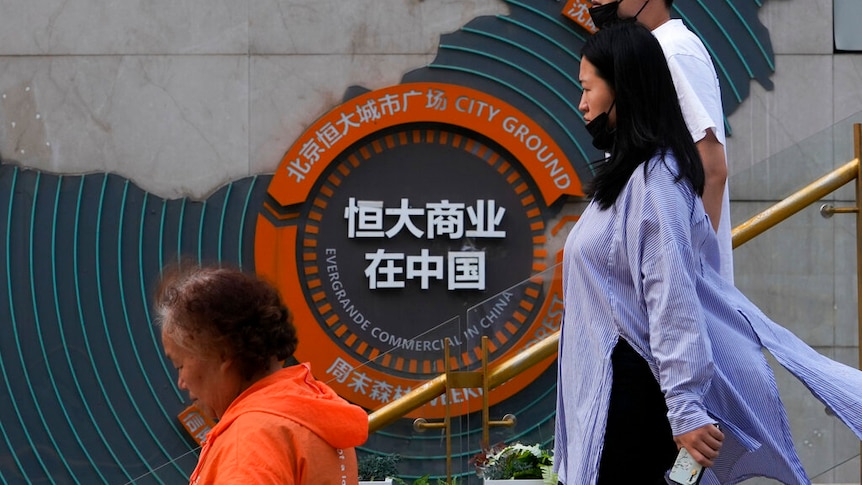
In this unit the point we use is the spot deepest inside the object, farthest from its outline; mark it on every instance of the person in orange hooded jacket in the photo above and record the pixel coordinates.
(228, 334)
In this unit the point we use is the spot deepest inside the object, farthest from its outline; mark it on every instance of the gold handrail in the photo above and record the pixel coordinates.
(391, 412)
(743, 233)
(791, 205)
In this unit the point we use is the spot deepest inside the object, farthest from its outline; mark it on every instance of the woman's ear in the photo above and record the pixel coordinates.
(226, 364)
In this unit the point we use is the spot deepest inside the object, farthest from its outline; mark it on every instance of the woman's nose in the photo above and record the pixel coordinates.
(582, 105)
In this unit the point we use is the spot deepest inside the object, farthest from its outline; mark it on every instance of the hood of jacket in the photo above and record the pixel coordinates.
(294, 393)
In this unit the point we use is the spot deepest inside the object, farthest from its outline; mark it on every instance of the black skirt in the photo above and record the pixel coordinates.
(639, 446)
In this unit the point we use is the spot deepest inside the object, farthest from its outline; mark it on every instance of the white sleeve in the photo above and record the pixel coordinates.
(699, 95)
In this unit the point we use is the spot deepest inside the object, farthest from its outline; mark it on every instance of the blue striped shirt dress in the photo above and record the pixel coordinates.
(646, 270)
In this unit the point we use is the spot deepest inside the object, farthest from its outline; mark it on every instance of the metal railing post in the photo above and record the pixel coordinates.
(857, 151)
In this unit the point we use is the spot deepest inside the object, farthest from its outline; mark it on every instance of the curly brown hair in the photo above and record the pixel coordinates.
(225, 312)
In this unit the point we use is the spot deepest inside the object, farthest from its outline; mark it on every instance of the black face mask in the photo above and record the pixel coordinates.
(603, 136)
(605, 15)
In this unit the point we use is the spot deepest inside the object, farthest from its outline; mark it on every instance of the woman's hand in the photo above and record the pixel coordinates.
(702, 443)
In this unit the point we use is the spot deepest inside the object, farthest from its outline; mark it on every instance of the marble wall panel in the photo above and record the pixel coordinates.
(846, 463)
(88, 27)
(844, 152)
(824, 444)
(744, 148)
(175, 125)
(788, 171)
(799, 27)
(770, 122)
(847, 81)
(794, 279)
(288, 93)
(846, 308)
(359, 26)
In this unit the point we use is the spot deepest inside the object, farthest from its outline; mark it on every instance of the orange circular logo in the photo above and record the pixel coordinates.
(407, 219)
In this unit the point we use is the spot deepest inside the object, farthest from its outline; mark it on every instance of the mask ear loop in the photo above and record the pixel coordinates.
(611, 108)
(641, 9)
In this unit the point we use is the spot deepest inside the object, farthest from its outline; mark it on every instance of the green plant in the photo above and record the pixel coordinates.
(381, 467)
(378, 467)
(503, 462)
(426, 480)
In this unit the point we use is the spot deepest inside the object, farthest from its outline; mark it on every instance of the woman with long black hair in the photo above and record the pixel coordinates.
(657, 351)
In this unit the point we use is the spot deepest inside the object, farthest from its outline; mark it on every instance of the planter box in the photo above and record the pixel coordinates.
(523, 481)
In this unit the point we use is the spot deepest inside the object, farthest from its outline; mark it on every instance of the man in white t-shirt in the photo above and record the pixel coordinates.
(699, 97)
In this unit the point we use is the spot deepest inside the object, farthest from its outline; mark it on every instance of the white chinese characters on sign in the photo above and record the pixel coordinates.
(452, 220)
(370, 111)
(579, 11)
(359, 382)
(196, 426)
